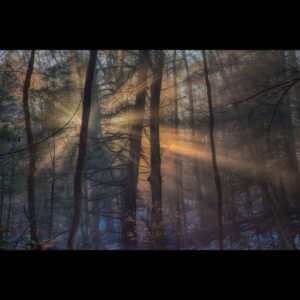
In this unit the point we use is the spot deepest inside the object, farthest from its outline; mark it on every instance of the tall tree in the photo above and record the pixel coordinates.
(52, 158)
(155, 175)
(32, 152)
(213, 154)
(179, 197)
(82, 149)
(95, 132)
(292, 166)
(135, 140)
(195, 161)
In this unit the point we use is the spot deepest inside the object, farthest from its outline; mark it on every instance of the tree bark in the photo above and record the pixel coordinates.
(52, 189)
(11, 191)
(195, 161)
(179, 197)
(292, 166)
(213, 155)
(155, 175)
(95, 132)
(130, 185)
(82, 149)
(32, 153)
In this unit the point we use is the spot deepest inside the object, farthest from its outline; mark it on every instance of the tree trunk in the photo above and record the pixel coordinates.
(85, 216)
(292, 167)
(195, 161)
(82, 149)
(11, 191)
(130, 185)
(179, 196)
(155, 175)
(178, 166)
(95, 132)
(32, 153)
(213, 154)
(52, 189)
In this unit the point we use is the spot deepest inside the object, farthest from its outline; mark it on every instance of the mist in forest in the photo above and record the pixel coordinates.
(149, 149)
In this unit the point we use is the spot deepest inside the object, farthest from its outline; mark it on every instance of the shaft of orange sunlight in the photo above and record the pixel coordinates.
(193, 150)
(188, 145)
